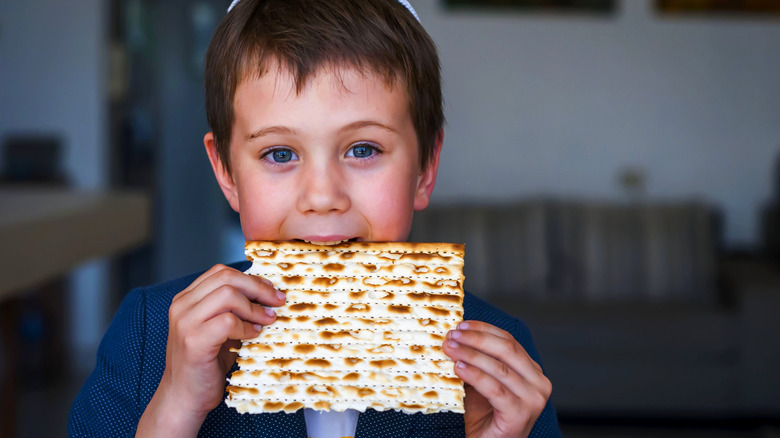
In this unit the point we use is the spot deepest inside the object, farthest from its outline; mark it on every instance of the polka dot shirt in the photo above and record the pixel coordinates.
(131, 360)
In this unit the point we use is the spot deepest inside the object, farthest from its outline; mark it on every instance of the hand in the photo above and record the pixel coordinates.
(506, 390)
(206, 319)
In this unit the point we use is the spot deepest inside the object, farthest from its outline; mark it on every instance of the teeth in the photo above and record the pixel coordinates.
(334, 242)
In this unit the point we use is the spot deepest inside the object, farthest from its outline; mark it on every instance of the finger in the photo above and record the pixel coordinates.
(227, 298)
(223, 327)
(253, 287)
(497, 369)
(509, 411)
(500, 345)
(484, 327)
(214, 269)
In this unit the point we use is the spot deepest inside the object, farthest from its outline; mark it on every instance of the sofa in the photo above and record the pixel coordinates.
(633, 306)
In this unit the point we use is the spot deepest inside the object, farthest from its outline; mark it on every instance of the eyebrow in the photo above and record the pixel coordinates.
(367, 123)
(284, 130)
(279, 130)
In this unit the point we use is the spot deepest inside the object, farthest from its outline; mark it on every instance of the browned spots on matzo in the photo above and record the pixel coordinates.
(447, 297)
(366, 392)
(331, 306)
(438, 311)
(383, 363)
(327, 335)
(399, 309)
(401, 282)
(325, 321)
(281, 363)
(320, 363)
(290, 389)
(349, 361)
(322, 405)
(417, 349)
(325, 281)
(358, 307)
(420, 257)
(292, 279)
(283, 318)
(320, 389)
(351, 377)
(431, 394)
(302, 318)
(292, 407)
(273, 406)
(264, 348)
(369, 268)
(450, 380)
(333, 267)
(401, 379)
(243, 390)
(317, 293)
(304, 348)
(303, 307)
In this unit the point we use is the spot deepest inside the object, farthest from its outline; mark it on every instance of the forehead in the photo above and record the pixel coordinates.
(298, 77)
(339, 85)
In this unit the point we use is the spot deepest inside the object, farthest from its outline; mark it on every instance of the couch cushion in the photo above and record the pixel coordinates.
(583, 252)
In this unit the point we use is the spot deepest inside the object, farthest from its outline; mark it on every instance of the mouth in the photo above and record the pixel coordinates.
(328, 240)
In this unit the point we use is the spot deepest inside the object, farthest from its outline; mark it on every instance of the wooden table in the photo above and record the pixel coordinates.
(45, 233)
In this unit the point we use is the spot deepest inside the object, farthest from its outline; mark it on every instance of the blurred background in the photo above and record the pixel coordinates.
(612, 165)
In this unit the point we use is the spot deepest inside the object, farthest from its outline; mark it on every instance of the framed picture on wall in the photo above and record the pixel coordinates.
(534, 6)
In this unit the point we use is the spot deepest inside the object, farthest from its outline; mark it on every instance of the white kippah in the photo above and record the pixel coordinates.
(410, 8)
(405, 3)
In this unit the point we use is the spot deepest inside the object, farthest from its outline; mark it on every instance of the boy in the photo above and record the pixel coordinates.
(326, 120)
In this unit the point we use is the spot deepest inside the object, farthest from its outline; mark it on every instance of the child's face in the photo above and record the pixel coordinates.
(337, 161)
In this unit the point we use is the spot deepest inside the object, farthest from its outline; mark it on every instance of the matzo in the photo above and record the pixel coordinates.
(362, 328)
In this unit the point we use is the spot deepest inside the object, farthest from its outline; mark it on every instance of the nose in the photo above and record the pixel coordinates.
(323, 191)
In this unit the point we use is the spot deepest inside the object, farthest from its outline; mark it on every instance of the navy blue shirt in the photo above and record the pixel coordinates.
(131, 361)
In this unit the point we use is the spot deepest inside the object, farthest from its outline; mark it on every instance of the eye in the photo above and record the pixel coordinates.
(279, 155)
(362, 150)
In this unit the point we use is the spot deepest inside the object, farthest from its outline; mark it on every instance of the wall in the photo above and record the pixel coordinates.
(52, 77)
(559, 105)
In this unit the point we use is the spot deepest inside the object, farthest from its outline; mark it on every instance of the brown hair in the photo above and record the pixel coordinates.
(302, 36)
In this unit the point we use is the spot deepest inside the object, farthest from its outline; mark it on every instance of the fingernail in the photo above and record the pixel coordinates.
(456, 334)
(454, 344)
(270, 312)
(463, 326)
(460, 365)
(281, 295)
(267, 281)
(258, 327)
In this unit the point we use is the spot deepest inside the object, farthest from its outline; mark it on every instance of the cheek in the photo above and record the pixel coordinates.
(388, 203)
(262, 211)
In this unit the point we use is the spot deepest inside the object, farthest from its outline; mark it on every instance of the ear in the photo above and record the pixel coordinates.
(224, 178)
(427, 178)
